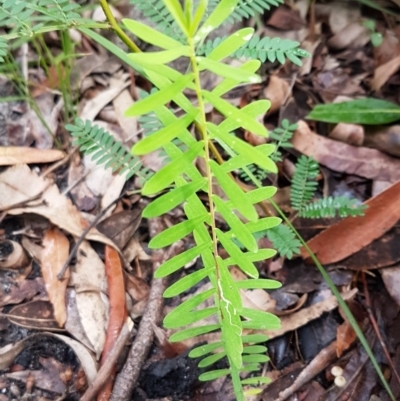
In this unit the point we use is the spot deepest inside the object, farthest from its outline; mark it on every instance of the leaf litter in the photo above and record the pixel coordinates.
(358, 157)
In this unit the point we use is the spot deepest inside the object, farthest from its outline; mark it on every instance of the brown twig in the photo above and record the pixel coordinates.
(129, 375)
(109, 363)
(376, 328)
(79, 241)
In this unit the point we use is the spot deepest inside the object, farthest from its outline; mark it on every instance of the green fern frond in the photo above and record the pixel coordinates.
(259, 173)
(333, 206)
(262, 49)
(281, 138)
(284, 240)
(249, 8)
(304, 184)
(96, 141)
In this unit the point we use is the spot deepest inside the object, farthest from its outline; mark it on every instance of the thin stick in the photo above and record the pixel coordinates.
(129, 375)
(104, 372)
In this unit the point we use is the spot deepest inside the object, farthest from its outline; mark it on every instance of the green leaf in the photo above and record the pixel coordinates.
(251, 153)
(173, 198)
(150, 35)
(176, 232)
(229, 83)
(217, 17)
(260, 320)
(255, 338)
(231, 112)
(360, 111)
(231, 44)
(159, 98)
(237, 226)
(237, 255)
(258, 283)
(255, 349)
(261, 194)
(168, 173)
(257, 380)
(255, 358)
(186, 282)
(178, 261)
(204, 349)
(261, 255)
(199, 13)
(264, 224)
(175, 9)
(163, 136)
(193, 332)
(211, 359)
(189, 305)
(189, 318)
(234, 192)
(214, 374)
(226, 71)
(161, 57)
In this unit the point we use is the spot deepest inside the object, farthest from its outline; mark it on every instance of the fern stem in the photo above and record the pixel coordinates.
(203, 132)
(117, 29)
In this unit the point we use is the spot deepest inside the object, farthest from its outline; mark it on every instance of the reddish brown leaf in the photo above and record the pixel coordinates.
(116, 293)
(338, 156)
(353, 233)
(55, 253)
(345, 338)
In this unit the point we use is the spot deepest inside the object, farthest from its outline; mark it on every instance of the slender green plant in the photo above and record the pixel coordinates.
(180, 176)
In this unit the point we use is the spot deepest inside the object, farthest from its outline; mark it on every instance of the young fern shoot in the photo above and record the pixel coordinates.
(185, 181)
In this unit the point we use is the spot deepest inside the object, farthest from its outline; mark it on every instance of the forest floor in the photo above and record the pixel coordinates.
(53, 332)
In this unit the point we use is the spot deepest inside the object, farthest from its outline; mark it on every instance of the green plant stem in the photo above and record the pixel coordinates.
(117, 29)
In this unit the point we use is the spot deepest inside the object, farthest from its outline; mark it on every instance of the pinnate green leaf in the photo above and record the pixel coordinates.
(204, 349)
(167, 174)
(214, 374)
(211, 359)
(193, 332)
(237, 255)
(259, 283)
(237, 226)
(160, 57)
(251, 153)
(260, 320)
(163, 136)
(231, 44)
(226, 71)
(176, 232)
(186, 282)
(231, 112)
(159, 98)
(234, 192)
(216, 18)
(150, 35)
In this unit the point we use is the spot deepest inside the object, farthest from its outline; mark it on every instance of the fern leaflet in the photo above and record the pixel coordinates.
(96, 141)
(281, 138)
(304, 184)
(284, 240)
(249, 8)
(331, 206)
(262, 49)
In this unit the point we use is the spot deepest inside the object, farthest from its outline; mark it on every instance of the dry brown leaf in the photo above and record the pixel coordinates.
(353, 233)
(352, 134)
(276, 92)
(345, 337)
(303, 316)
(338, 156)
(391, 278)
(19, 184)
(12, 155)
(55, 253)
(384, 72)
